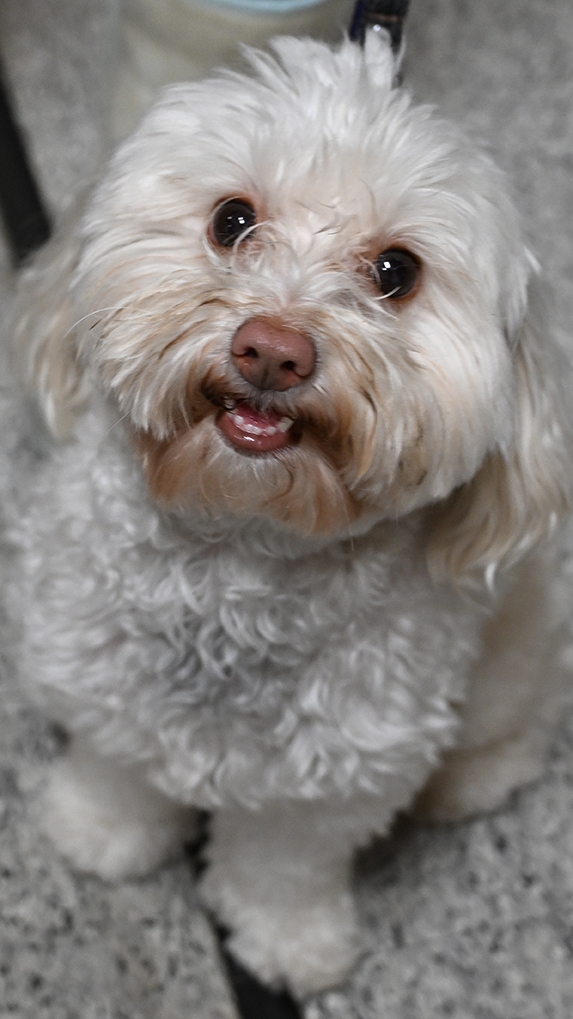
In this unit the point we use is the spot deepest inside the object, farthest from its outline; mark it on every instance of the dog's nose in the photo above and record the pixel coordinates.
(272, 356)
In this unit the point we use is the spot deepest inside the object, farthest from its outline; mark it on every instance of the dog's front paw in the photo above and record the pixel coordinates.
(312, 949)
(480, 779)
(106, 822)
(308, 941)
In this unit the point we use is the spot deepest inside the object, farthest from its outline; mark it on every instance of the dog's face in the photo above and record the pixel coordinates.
(301, 290)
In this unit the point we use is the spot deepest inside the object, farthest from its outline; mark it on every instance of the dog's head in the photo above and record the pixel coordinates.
(307, 298)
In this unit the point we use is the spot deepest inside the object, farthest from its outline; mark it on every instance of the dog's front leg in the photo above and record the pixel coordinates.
(280, 879)
(107, 820)
(514, 697)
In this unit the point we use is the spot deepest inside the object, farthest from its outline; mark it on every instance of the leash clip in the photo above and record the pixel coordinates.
(379, 14)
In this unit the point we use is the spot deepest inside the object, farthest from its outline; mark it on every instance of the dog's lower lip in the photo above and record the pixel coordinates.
(255, 431)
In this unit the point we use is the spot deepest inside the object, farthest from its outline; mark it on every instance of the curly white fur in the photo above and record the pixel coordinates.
(281, 636)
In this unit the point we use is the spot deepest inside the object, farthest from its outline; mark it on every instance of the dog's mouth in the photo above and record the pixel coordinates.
(255, 431)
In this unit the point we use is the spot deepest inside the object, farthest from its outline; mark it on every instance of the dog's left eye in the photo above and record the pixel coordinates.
(231, 220)
(396, 272)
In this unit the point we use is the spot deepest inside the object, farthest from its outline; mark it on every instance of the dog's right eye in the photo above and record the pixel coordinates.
(231, 220)
(396, 273)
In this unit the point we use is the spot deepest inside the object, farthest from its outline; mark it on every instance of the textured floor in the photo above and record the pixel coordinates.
(473, 921)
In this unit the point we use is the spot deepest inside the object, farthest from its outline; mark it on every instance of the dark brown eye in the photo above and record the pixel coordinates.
(231, 220)
(395, 272)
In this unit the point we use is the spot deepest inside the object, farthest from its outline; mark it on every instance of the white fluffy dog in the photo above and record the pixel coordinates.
(285, 553)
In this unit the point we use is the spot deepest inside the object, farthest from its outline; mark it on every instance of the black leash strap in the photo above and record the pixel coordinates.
(254, 1000)
(25, 219)
(388, 14)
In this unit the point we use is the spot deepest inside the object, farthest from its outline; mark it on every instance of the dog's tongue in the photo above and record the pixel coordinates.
(253, 430)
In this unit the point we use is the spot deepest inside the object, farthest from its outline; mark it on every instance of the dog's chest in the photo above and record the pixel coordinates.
(242, 664)
(317, 674)
(246, 626)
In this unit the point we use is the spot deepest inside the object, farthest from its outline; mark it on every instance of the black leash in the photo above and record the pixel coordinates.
(23, 212)
(254, 1000)
(27, 228)
(379, 14)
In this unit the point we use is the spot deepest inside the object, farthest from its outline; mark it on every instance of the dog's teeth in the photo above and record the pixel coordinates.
(252, 429)
(249, 427)
(228, 402)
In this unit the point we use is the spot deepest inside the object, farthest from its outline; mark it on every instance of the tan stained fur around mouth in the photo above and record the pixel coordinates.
(295, 486)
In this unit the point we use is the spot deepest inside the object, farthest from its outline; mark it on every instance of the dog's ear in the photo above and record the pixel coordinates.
(518, 496)
(43, 335)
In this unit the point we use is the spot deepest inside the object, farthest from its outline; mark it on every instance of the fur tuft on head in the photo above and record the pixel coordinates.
(311, 68)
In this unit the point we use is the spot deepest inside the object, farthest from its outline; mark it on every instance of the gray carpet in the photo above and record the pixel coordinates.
(473, 921)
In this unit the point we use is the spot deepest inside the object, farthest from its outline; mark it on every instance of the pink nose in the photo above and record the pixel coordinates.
(272, 356)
